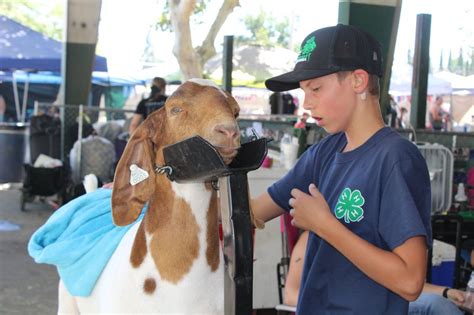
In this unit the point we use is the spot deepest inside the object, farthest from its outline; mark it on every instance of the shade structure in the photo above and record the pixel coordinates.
(22, 48)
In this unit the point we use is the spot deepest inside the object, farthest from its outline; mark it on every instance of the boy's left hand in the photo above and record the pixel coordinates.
(310, 211)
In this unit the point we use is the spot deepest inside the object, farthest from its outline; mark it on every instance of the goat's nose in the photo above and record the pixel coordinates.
(228, 130)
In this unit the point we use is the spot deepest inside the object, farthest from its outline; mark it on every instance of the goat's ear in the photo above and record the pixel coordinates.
(127, 199)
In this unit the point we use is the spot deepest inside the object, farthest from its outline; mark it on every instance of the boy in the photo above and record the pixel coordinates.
(363, 192)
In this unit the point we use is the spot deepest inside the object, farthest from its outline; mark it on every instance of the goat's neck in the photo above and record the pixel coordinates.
(181, 226)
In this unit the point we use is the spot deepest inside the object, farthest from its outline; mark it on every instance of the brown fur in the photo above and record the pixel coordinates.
(175, 243)
(212, 235)
(192, 110)
(149, 286)
(139, 248)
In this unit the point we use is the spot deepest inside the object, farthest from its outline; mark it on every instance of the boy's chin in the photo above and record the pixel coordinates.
(332, 131)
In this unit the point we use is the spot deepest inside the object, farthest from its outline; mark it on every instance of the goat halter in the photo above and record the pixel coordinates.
(164, 170)
(168, 170)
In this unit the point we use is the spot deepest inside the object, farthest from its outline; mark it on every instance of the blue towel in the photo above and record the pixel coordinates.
(79, 239)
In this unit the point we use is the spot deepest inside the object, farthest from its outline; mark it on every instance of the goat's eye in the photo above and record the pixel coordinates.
(176, 110)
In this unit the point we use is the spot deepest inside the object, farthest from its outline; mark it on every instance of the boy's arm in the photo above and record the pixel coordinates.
(264, 208)
(402, 270)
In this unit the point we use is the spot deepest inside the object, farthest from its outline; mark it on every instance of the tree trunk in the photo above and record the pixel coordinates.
(191, 61)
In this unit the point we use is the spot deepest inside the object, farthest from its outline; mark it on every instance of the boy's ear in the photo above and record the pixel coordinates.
(360, 80)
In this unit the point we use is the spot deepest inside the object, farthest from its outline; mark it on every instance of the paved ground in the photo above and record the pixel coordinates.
(25, 287)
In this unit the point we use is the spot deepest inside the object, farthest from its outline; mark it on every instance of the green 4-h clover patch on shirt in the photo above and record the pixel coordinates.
(349, 206)
(381, 192)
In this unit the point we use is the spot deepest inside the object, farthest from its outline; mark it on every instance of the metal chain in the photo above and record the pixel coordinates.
(164, 170)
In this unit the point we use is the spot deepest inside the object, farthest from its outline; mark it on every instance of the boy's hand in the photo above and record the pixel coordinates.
(310, 212)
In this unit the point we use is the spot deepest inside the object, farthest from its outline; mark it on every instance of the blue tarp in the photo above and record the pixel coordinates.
(22, 48)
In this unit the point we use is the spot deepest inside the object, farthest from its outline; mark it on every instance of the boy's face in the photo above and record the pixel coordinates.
(330, 100)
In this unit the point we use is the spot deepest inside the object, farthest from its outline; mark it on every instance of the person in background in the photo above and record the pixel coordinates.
(157, 95)
(434, 300)
(392, 112)
(282, 103)
(404, 121)
(437, 115)
(363, 192)
(295, 269)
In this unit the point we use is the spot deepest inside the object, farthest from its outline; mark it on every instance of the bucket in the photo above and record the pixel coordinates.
(13, 141)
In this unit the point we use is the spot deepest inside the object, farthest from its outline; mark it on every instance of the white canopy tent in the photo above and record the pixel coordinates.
(401, 81)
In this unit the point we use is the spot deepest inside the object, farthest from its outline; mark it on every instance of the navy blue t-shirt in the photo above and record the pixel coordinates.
(381, 192)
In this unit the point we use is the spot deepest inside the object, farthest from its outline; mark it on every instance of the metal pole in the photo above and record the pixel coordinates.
(227, 63)
(15, 96)
(421, 64)
(238, 250)
(25, 97)
(79, 138)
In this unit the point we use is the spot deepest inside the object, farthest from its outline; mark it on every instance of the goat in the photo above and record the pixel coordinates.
(170, 262)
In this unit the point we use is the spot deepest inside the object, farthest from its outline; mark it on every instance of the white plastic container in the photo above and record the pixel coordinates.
(289, 149)
(440, 165)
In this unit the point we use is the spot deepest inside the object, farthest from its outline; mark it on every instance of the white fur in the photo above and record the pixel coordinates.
(120, 286)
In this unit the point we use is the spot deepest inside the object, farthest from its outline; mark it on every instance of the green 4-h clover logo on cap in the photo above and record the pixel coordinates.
(307, 49)
(349, 206)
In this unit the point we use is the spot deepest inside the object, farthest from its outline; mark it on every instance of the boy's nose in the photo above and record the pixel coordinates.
(308, 104)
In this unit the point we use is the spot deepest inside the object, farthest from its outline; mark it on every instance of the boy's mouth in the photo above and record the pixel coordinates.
(319, 121)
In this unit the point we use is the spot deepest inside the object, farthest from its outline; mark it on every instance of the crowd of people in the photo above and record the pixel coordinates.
(438, 118)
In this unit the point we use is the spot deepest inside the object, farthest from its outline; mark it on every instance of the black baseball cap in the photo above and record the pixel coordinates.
(329, 50)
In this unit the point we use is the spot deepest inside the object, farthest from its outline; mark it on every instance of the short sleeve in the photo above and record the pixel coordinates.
(141, 108)
(300, 176)
(405, 208)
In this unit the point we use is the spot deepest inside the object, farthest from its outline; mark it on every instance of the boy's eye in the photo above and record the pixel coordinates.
(315, 89)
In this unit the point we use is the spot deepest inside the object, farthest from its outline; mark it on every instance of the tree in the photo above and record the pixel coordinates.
(450, 62)
(265, 30)
(45, 17)
(191, 60)
(460, 63)
(441, 61)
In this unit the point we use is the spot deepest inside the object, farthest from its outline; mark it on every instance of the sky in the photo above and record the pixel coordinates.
(125, 24)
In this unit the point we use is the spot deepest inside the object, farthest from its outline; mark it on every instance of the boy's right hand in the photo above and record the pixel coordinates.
(310, 211)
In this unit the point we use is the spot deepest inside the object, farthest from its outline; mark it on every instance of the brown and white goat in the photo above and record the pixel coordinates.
(171, 262)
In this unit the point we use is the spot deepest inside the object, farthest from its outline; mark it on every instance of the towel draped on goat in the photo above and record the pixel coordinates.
(79, 239)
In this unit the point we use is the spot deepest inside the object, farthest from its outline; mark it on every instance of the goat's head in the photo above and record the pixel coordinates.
(196, 108)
